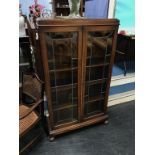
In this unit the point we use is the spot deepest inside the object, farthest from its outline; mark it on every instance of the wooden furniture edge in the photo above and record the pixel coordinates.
(75, 22)
(78, 125)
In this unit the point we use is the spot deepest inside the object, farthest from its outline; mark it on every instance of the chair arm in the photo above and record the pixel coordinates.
(29, 95)
(31, 109)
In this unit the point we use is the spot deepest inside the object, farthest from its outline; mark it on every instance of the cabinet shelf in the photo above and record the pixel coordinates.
(51, 60)
(60, 39)
(65, 106)
(67, 57)
(64, 87)
(95, 56)
(98, 65)
(98, 81)
(63, 70)
(94, 98)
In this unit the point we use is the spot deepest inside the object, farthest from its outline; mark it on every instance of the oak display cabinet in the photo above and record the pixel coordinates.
(77, 56)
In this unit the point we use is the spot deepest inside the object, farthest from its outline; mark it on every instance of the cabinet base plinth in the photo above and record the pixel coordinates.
(79, 125)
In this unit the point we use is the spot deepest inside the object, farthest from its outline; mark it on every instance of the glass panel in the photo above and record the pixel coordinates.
(65, 77)
(63, 96)
(63, 67)
(93, 90)
(94, 73)
(92, 108)
(65, 115)
(99, 48)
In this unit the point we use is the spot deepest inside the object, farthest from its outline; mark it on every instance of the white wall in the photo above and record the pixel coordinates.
(112, 5)
(124, 10)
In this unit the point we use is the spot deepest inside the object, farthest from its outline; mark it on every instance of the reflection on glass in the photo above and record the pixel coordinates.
(99, 48)
(63, 67)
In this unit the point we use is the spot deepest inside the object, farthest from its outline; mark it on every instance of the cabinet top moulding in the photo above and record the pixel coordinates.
(76, 22)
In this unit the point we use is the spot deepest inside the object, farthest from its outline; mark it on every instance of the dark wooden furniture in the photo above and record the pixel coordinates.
(30, 111)
(25, 61)
(35, 47)
(25, 58)
(77, 56)
(62, 7)
(27, 46)
(125, 50)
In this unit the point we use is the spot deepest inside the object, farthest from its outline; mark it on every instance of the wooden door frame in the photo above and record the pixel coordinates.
(87, 29)
(42, 32)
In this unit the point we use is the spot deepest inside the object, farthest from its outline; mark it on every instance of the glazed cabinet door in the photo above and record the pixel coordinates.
(98, 56)
(62, 65)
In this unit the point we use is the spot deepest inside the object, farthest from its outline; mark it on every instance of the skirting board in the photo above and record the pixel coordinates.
(121, 79)
(121, 98)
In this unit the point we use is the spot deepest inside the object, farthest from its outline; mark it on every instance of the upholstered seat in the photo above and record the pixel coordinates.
(26, 122)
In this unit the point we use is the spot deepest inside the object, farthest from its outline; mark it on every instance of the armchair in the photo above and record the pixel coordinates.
(30, 110)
